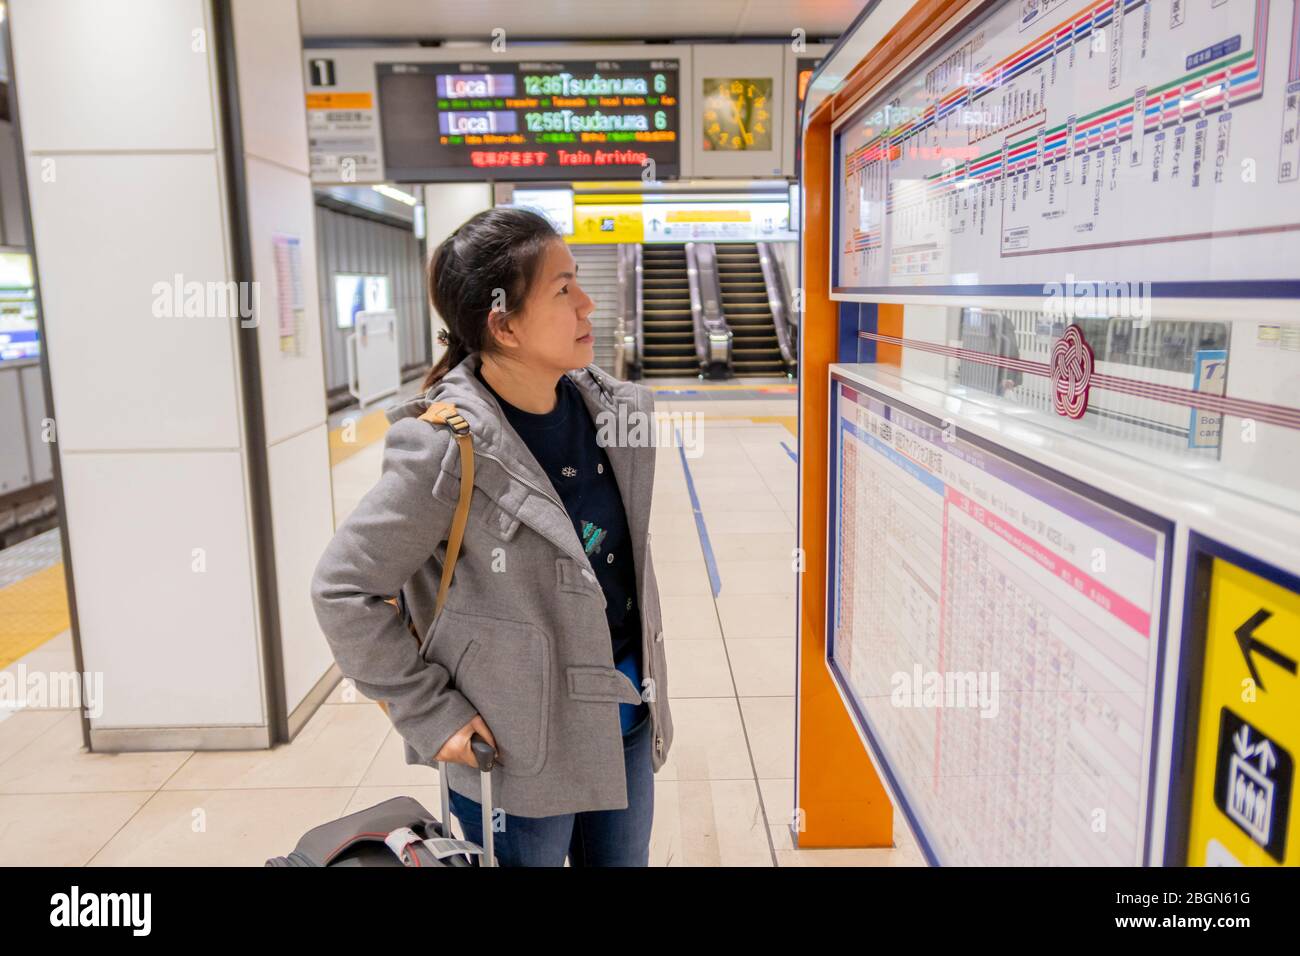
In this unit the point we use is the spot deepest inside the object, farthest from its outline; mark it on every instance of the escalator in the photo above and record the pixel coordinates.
(668, 329)
(755, 349)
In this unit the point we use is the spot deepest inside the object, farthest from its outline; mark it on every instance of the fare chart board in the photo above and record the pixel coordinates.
(1109, 140)
(996, 629)
(598, 119)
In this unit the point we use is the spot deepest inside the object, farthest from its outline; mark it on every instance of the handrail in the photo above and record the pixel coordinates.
(778, 300)
(622, 320)
(623, 323)
(712, 334)
(627, 331)
(638, 304)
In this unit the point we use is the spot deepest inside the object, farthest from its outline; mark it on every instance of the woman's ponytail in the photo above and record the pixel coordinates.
(455, 354)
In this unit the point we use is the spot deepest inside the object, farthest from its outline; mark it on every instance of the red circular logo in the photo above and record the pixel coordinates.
(1071, 373)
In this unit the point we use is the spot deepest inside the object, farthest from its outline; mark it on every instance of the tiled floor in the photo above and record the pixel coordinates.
(723, 798)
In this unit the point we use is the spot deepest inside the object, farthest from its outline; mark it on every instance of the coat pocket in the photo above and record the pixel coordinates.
(502, 668)
(485, 512)
(592, 682)
(578, 578)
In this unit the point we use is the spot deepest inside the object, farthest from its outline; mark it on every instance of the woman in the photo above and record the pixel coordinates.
(550, 643)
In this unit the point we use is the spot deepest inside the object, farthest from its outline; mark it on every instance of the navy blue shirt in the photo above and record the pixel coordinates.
(563, 441)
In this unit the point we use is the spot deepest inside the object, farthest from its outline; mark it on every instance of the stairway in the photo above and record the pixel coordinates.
(668, 329)
(754, 348)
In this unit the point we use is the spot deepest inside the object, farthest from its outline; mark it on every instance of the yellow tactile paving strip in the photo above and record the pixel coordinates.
(791, 422)
(365, 431)
(32, 611)
(371, 428)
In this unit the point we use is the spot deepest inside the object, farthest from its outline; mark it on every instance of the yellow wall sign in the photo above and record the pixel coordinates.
(708, 215)
(1248, 733)
(340, 101)
(602, 224)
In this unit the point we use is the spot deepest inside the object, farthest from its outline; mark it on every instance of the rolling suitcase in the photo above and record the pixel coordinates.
(400, 832)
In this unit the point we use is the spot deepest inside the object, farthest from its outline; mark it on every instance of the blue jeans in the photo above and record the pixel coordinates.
(589, 838)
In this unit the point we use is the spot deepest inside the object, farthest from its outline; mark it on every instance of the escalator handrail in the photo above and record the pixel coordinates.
(629, 334)
(638, 305)
(778, 300)
(713, 335)
(624, 320)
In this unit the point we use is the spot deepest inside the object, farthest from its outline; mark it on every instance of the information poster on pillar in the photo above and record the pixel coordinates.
(996, 631)
(1059, 138)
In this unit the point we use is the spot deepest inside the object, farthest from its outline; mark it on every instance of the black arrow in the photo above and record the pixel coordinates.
(1246, 638)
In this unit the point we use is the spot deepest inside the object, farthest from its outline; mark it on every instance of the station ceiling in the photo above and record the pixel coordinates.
(562, 20)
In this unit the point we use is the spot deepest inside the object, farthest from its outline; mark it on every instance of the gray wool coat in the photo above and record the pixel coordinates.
(523, 639)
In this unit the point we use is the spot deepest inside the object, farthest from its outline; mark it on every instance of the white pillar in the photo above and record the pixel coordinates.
(192, 449)
(446, 206)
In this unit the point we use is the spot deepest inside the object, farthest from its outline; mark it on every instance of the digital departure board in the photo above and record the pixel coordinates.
(597, 119)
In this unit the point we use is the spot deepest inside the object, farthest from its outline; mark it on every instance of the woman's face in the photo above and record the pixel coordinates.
(552, 330)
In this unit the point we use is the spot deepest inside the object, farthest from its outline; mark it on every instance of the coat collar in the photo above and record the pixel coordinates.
(538, 505)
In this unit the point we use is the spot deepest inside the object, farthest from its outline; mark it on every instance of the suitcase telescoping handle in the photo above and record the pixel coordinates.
(486, 757)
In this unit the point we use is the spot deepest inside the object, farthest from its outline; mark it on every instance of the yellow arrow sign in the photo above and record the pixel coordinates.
(1249, 729)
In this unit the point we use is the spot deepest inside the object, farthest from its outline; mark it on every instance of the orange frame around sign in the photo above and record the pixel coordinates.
(840, 796)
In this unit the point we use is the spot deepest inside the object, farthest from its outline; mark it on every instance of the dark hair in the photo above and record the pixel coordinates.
(495, 249)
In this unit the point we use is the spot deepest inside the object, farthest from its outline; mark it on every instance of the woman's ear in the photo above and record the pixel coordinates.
(498, 327)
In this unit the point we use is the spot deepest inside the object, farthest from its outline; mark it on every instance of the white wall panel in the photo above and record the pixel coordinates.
(302, 507)
(136, 88)
(447, 205)
(279, 197)
(123, 377)
(177, 645)
(271, 96)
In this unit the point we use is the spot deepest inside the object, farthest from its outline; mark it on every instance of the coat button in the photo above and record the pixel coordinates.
(600, 469)
(609, 558)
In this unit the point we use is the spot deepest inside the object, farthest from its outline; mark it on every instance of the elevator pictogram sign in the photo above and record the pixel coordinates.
(1253, 783)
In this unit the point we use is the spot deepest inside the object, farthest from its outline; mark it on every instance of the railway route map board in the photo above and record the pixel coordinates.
(996, 629)
(1113, 140)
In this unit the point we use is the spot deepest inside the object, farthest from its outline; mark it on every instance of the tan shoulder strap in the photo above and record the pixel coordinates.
(444, 413)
